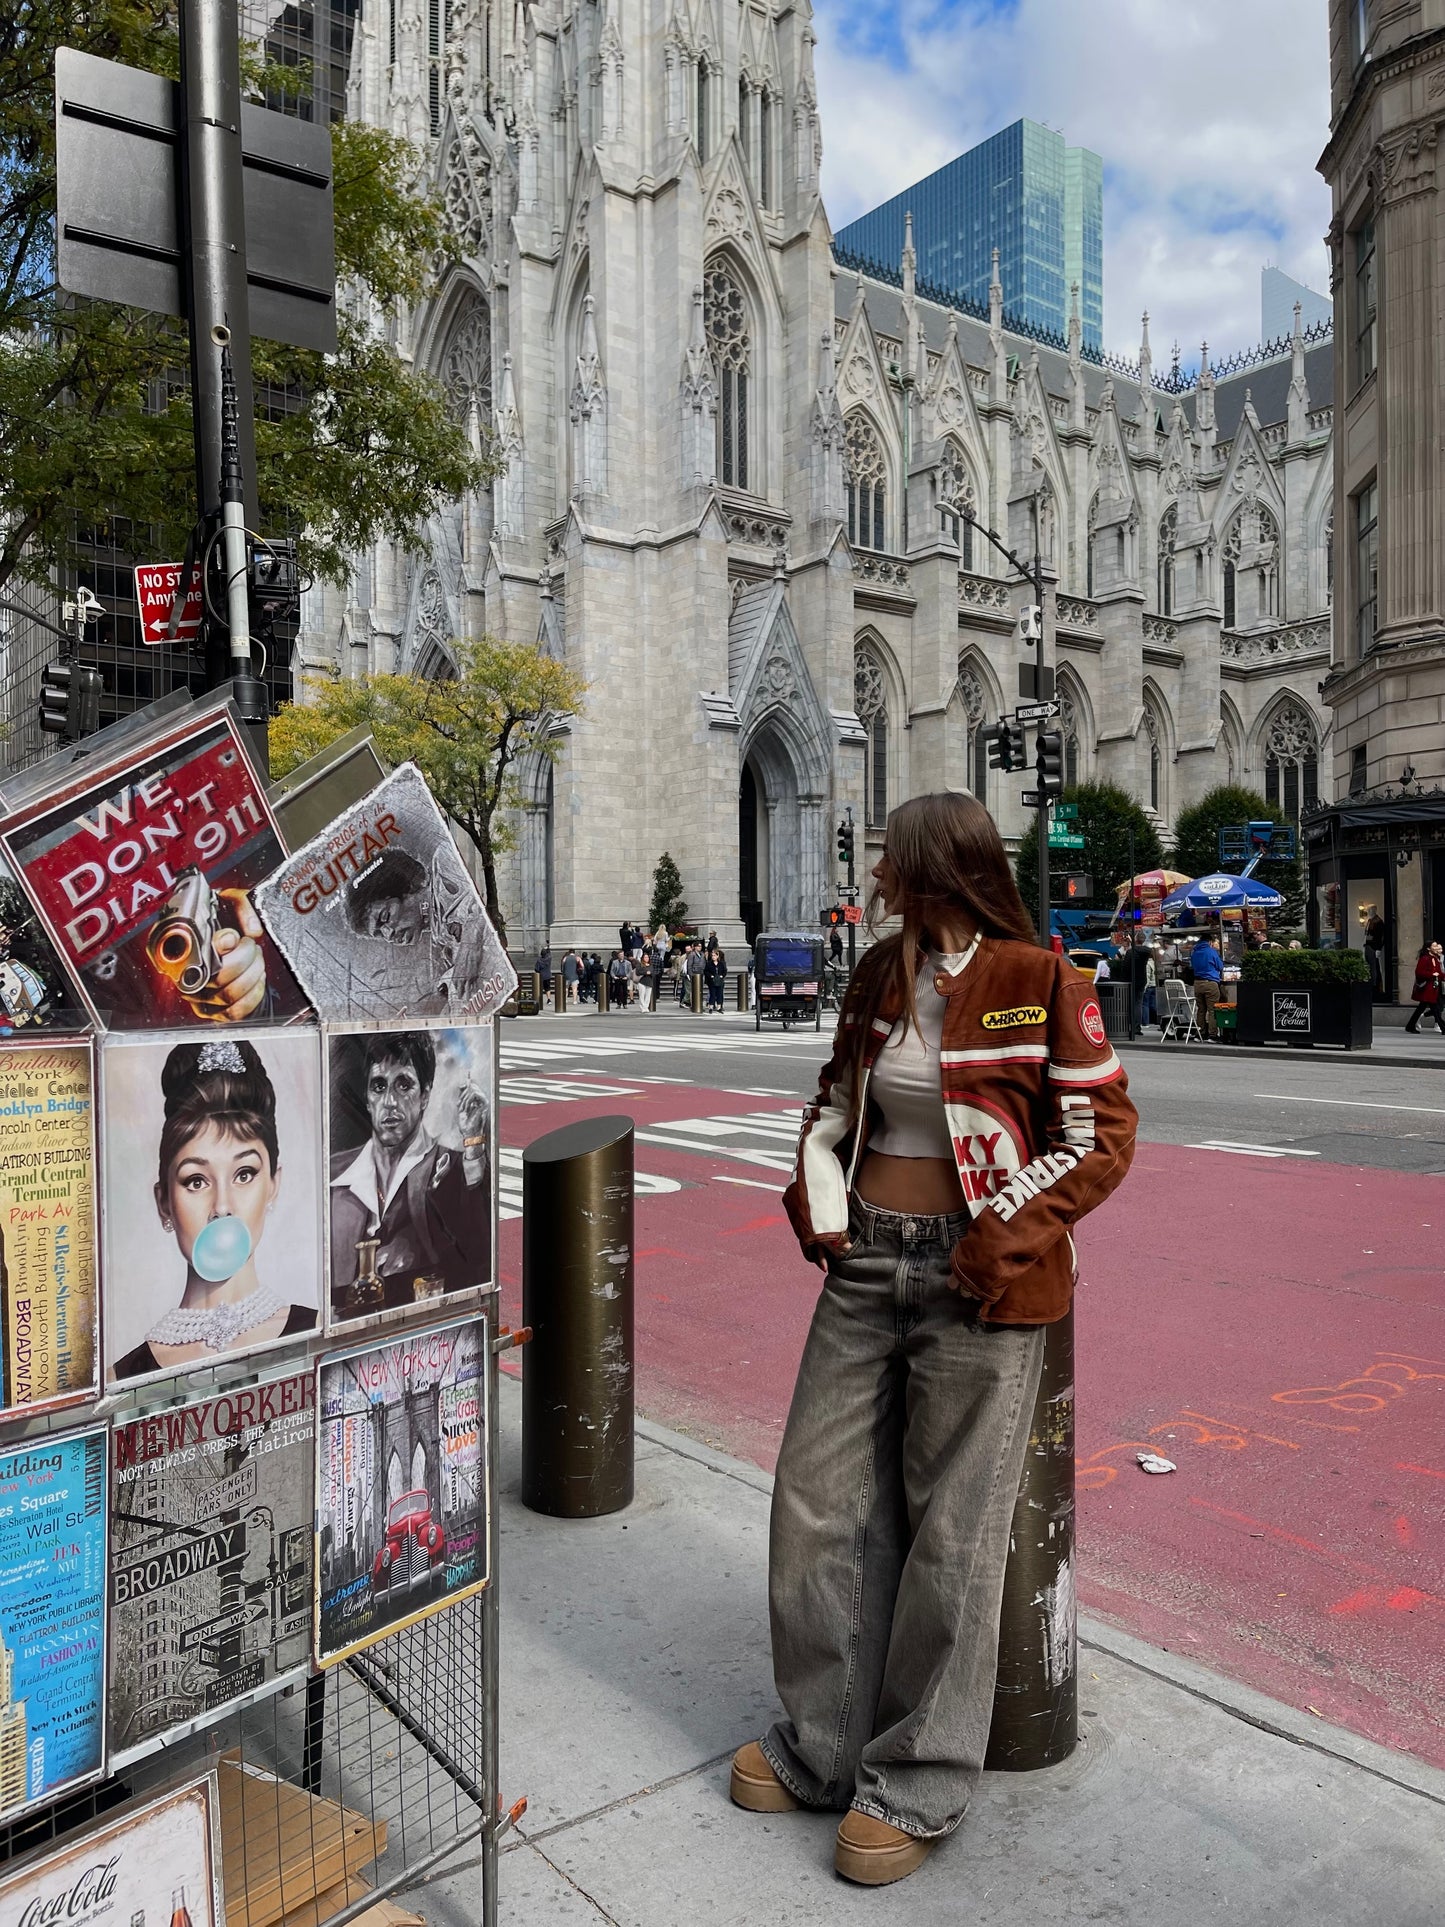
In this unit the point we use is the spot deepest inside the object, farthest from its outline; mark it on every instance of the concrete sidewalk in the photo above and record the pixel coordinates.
(635, 1658)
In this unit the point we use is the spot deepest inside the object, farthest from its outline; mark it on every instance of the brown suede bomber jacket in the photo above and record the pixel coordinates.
(1038, 1111)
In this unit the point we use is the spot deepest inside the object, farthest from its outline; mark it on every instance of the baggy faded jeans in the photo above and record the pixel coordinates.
(894, 1494)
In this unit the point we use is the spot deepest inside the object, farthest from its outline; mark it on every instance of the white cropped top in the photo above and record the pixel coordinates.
(905, 1084)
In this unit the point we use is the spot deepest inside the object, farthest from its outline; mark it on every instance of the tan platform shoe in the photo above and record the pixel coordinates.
(755, 1785)
(872, 1853)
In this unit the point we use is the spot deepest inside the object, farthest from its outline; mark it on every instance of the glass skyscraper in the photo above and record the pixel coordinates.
(1024, 192)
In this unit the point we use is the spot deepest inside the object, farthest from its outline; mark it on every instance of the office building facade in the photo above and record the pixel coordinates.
(1022, 191)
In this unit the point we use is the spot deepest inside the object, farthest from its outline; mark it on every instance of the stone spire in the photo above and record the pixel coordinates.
(1146, 414)
(588, 409)
(507, 496)
(908, 261)
(1078, 400)
(998, 385)
(1299, 394)
(827, 427)
(1204, 401)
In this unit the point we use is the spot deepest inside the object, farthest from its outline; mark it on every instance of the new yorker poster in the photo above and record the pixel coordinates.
(49, 1354)
(143, 873)
(52, 1617)
(153, 1864)
(210, 1556)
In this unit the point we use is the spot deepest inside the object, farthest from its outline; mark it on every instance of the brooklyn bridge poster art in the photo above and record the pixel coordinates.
(401, 1506)
(52, 1617)
(210, 1552)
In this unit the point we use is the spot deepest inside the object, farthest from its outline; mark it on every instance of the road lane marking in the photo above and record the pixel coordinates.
(758, 1184)
(1353, 1103)
(1251, 1150)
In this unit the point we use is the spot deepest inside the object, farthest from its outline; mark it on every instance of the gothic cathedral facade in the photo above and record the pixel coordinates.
(734, 468)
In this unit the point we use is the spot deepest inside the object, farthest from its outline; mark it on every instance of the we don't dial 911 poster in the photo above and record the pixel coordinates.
(144, 873)
(52, 1616)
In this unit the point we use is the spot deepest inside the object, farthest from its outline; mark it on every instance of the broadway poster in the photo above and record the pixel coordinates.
(379, 918)
(143, 874)
(52, 1617)
(154, 1864)
(47, 1226)
(210, 1556)
(401, 1511)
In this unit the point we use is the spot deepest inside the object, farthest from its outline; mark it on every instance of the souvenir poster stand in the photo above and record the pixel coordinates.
(248, 1610)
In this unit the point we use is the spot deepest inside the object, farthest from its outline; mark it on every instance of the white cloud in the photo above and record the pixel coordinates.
(1209, 115)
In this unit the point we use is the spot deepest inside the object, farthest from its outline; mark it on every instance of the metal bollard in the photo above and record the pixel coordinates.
(604, 995)
(1036, 1698)
(577, 1445)
(559, 992)
(694, 991)
(743, 990)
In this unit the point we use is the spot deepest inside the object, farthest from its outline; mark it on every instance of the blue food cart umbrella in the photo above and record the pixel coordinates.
(1221, 891)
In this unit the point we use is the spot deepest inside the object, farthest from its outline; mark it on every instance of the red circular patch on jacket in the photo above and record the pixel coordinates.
(1091, 1023)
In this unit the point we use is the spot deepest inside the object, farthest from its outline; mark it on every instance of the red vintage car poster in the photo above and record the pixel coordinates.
(401, 1484)
(143, 872)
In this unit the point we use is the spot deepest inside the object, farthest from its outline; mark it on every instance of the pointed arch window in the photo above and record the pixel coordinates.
(1291, 761)
(1156, 760)
(975, 709)
(1069, 730)
(729, 340)
(865, 472)
(956, 497)
(870, 702)
(1168, 532)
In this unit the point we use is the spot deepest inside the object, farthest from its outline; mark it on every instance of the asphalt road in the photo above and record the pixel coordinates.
(1261, 1302)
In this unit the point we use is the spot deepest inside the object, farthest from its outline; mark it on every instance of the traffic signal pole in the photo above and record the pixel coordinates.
(1042, 826)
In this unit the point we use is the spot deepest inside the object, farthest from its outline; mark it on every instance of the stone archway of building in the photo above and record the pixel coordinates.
(780, 840)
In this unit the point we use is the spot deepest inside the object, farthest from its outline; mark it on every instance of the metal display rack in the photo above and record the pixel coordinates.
(349, 1785)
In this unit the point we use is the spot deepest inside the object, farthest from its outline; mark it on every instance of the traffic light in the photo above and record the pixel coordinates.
(845, 841)
(1006, 745)
(69, 700)
(1050, 762)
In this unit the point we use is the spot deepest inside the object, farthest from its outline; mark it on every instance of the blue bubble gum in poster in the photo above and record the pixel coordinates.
(52, 1616)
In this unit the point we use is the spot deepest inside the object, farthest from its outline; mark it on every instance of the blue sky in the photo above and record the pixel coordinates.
(1209, 115)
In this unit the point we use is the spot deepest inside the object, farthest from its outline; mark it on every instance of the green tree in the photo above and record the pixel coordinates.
(1105, 815)
(95, 417)
(1196, 844)
(466, 733)
(668, 908)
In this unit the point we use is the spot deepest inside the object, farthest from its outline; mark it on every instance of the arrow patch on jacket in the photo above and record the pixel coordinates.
(1013, 1019)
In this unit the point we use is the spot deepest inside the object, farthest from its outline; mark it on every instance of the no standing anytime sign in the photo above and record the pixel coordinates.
(156, 584)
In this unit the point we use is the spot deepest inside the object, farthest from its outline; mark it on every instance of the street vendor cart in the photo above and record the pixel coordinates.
(788, 978)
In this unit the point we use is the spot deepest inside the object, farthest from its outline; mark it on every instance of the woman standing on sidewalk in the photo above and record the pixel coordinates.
(971, 1111)
(1429, 985)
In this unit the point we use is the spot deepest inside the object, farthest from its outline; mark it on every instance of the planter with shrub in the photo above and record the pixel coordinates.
(1305, 997)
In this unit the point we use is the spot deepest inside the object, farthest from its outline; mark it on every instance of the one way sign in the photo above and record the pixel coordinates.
(156, 584)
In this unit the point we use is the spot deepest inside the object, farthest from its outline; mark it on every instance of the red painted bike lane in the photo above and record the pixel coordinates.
(1276, 1329)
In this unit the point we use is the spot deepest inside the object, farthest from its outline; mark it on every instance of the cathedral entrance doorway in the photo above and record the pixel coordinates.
(780, 837)
(752, 855)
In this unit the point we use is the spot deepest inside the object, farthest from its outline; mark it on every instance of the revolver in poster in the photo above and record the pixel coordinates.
(182, 940)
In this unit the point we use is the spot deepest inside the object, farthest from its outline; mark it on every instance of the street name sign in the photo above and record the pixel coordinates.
(1065, 840)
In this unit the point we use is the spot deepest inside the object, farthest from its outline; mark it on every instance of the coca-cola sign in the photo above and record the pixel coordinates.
(95, 1884)
(141, 1867)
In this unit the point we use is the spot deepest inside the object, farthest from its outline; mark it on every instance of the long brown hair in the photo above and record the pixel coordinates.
(950, 863)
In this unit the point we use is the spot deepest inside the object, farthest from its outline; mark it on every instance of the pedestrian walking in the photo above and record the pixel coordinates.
(696, 966)
(642, 977)
(544, 969)
(1151, 989)
(591, 971)
(1429, 990)
(1208, 967)
(619, 977)
(680, 973)
(661, 945)
(624, 936)
(835, 944)
(904, 1445)
(571, 972)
